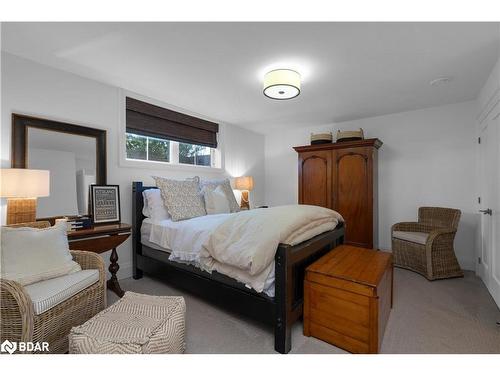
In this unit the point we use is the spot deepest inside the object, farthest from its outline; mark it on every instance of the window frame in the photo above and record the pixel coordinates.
(159, 165)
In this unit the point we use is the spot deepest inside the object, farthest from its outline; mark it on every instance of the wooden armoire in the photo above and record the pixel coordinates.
(343, 176)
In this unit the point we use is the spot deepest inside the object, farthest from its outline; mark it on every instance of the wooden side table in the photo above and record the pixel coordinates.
(100, 239)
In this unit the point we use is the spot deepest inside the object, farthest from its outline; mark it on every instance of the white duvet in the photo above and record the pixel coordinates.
(243, 245)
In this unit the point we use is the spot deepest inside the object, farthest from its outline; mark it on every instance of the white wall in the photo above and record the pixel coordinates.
(490, 91)
(34, 89)
(427, 159)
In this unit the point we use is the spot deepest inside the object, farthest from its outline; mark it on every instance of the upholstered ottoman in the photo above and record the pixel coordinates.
(137, 323)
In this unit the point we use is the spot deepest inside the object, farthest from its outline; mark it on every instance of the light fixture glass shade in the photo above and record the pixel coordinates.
(282, 84)
(24, 183)
(243, 183)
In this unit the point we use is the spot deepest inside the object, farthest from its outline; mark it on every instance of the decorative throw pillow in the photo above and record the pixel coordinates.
(30, 255)
(181, 198)
(216, 201)
(154, 205)
(226, 187)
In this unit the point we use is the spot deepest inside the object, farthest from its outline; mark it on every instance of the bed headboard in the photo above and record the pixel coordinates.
(137, 217)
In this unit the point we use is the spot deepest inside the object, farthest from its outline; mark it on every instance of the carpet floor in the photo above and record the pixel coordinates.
(446, 316)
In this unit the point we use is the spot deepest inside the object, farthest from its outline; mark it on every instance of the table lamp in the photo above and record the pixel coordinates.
(22, 187)
(244, 184)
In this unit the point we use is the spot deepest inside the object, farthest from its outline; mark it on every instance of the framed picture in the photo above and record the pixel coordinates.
(105, 203)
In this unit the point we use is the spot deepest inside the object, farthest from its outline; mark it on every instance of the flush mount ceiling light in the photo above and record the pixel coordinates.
(282, 84)
(440, 81)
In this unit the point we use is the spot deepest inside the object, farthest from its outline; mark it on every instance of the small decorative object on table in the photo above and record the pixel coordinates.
(245, 184)
(350, 135)
(76, 222)
(80, 222)
(105, 203)
(320, 138)
(137, 324)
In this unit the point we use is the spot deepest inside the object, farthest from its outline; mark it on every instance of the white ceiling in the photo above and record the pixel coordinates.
(350, 70)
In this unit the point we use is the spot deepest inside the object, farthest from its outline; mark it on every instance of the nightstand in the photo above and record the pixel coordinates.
(100, 239)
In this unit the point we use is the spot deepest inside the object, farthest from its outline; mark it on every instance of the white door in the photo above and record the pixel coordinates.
(489, 267)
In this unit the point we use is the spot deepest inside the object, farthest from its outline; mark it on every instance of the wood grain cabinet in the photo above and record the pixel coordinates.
(343, 177)
(348, 298)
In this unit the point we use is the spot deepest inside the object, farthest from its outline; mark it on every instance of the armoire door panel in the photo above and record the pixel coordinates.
(343, 176)
(353, 194)
(315, 178)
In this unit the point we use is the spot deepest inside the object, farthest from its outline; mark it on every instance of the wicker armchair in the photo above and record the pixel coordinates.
(434, 257)
(18, 322)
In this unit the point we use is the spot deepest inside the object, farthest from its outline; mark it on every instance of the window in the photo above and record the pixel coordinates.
(161, 135)
(194, 154)
(140, 147)
(137, 147)
(147, 148)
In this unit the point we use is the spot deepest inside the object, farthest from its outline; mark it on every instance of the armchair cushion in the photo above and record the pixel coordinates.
(30, 255)
(416, 237)
(49, 293)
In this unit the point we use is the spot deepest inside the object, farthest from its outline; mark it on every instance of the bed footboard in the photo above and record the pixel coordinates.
(290, 265)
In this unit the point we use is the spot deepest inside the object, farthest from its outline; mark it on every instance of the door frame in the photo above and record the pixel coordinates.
(489, 116)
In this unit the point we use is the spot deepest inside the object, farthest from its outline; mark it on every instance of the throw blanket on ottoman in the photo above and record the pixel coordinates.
(137, 323)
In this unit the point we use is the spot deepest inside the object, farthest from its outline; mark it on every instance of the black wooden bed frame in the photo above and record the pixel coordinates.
(290, 263)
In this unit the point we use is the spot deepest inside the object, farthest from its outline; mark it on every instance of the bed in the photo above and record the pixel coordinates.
(280, 309)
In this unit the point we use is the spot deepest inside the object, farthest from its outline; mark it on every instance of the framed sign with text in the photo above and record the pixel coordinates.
(105, 203)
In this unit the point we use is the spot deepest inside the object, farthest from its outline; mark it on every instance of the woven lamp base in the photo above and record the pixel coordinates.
(21, 210)
(245, 203)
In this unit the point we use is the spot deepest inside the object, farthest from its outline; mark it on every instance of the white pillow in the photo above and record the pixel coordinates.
(226, 187)
(145, 206)
(216, 201)
(30, 255)
(154, 205)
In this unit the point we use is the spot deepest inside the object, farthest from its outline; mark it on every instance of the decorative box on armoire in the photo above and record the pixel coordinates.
(343, 176)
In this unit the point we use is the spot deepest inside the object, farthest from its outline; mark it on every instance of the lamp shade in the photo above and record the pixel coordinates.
(243, 183)
(282, 84)
(24, 183)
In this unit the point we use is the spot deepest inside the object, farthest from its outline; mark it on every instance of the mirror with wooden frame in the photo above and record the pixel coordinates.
(75, 156)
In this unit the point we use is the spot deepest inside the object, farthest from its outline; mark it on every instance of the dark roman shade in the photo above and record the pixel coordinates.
(150, 120)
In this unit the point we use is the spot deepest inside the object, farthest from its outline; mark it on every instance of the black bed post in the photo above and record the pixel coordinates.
(137, 204)
(283, 295)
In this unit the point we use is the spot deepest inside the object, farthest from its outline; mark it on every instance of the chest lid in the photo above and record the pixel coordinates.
(365, 267)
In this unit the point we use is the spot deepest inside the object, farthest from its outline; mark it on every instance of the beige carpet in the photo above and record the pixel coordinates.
(448, 316)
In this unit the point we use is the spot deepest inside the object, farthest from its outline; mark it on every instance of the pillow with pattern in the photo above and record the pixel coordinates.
(226, 186)
(181, 197)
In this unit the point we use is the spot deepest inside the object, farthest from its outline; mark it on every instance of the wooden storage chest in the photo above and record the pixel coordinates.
(348, 298)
